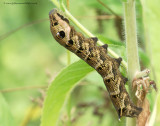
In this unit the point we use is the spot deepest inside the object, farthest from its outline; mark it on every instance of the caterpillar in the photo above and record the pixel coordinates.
(96, 57)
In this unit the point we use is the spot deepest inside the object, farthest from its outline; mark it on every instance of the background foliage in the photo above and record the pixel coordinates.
(31, 57)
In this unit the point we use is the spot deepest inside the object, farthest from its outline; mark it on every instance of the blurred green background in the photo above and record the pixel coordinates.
(31, 57)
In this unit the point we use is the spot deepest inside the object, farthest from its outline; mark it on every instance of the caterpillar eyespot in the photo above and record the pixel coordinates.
(70, 42)
(56, 23)
(96, 57)
(60, 35)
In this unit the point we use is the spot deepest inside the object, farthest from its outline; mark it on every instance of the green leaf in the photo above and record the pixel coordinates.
(60, 89)
(6, 118)
(124, 0)
(117, 46)
(143, 56)
(151, 19)
(110, 41)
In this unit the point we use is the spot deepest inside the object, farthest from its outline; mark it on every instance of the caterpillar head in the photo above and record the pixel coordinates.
(59, 27)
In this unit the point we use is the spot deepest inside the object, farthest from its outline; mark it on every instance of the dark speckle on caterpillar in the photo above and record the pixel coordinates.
(96, 57)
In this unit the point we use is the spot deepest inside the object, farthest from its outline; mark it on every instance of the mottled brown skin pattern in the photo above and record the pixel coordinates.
(95, 56)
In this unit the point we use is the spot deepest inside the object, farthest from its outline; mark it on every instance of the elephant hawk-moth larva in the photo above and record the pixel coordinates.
(96, 57)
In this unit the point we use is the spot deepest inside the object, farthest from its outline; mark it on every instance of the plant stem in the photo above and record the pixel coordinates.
(68, 52)
(131, 48)
(56, 3)
(68, 4)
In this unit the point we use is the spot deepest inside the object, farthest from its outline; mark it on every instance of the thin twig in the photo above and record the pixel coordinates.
(21, 88)
(68, 52)
(20, 27)
(103, 4)
(68, 4)
(100, 17)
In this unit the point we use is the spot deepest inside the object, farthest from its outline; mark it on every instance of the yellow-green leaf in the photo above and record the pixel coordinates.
(6, 118)
(60, 89)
